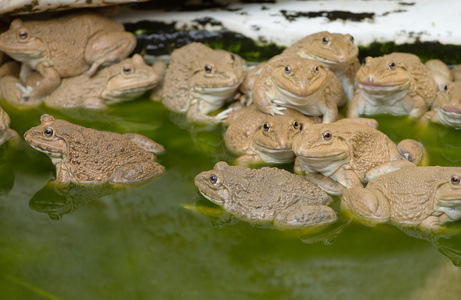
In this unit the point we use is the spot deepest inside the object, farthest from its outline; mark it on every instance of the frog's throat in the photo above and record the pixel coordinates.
(451, 207)
(212, 99)
(275, 155)
(288, 98)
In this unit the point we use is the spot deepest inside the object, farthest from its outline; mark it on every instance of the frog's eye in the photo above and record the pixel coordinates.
(326, 135)
(445, 88)
(288, 69)
(266, 126)
(295, 124)
(232, 57)
(208, 69)
(325, 40)
(213, 179)
(316, 69)
(392, 65)
(352, 38)
(455, 180)
(364, 62)
(127, 70)
(22, 34)
(48, 132)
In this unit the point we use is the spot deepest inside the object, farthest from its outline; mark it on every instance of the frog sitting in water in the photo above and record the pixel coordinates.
(397, 84)
(85, 155)
(347, 152)
(199, 80)
(446, 108)
(266, 195)
(299, 83)
(424, 197)
(64, 47)
(262, 138)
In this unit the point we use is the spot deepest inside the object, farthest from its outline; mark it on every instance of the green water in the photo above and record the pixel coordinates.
(162, 240)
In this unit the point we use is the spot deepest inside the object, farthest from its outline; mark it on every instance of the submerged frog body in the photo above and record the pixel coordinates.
(446, 108)
(425, 197)
(262, 138)
(199, 80)
(266, 195)
(334, 50)
(346, 151)
(299, 83)
(84, 155)
(397, 84)
(64, 47)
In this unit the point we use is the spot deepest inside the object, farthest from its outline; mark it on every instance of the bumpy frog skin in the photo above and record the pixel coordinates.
(299, 83)
(262, 138)
(446, 108)
(84, 155)
(397, 84)
(200, 80)
(346, 151)
(336, 51)
(6, 133)
(425, 197)
(266, 195)
(440, 72)
(65, 47)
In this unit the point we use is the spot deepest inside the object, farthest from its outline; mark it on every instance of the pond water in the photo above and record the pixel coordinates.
(162, 240)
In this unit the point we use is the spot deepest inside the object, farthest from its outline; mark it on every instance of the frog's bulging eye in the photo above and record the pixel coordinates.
(213, 179)
(49, 132)
(326, 135)
(455, 180)
(22, 34)
(392, 65)
(364, 62)
(316, 69)
(325, 40)
(232, 57)
(208, 69)
(352, 38)
(295, 124)
(288, 69)
(127, 70)
(266, 126)
(445, 88)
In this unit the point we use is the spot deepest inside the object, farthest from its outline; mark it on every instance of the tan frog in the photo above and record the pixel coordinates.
(425, 197)
(6, 133)
(266, 195)
(85, 155)
(262, 138)
(299, 83)
(397, 84)
(446, 108)
(440, 72)
(334, 50)
(64, 47)
(347, 152)
(199, 80)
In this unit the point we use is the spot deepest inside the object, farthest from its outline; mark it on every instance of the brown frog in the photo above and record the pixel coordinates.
(299, 83)
(424, 197)
(334, 50)
(6, 133)
(266, 195)
(397, 84)
(199, 80)
(347, 152)
(446, 108)
(65, 46)
(262, 138)
(85, 155)
(440, 72)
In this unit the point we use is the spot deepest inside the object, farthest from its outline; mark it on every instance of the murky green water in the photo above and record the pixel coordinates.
(155, 241)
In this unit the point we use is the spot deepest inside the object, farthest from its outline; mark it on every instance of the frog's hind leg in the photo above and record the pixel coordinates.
(369, 206)
(301, 215)
(136, 172)
(144, 142)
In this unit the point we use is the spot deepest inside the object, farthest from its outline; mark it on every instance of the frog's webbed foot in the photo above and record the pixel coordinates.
(277, 110)
(14, 92)
(145, 142)
(136, 172)
(412, 150)
(369, 207)
(301, 215)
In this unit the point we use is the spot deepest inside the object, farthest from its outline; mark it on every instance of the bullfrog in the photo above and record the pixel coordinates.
(423, 197)
(446, 108)
(200, 80)
(262, 138)
(348, 152)
(299, 83)
(440, 72)
(65, 46)
(334, 50)
(85, 155)
(266, 195)
(6, 133)
(398, 84)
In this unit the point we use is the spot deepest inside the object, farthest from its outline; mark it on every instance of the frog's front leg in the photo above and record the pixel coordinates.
(106, 48)
(418, 106)
(46, 82)
(248, 159)
(330, 110)
(264, 103)
(347, 177)
(301, 215)
(354, 105)
(325, 183)
(196, 115)
(62, 175)
(135, 172)
(11, 90)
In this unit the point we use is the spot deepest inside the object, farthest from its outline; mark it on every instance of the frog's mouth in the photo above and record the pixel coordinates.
(278, 154)
(373, 87)
(53, 154)
(452, 111)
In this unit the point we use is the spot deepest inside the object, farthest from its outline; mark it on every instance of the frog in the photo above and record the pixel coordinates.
(456, 72)
(422, 197)
(299, 83)
(267, 195)
(336, 51)
(200, 80)
(398, 84)
(348, 152)
(261, 138)
(440, 72)
(446, 108)
(65, 46)
(84, 155)
(6, 133)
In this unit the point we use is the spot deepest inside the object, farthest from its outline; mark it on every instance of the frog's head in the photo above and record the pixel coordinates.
(19, 43)
(448, 194)
(449, 102)
(211, 184)
(135, 78)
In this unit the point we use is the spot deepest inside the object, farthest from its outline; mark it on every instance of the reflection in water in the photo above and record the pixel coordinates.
(449, 144)
(58, 200)
(6, 172)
